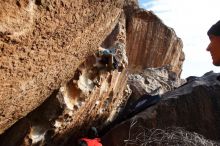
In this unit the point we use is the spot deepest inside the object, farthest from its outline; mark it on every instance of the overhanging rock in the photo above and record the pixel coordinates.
(41, 45)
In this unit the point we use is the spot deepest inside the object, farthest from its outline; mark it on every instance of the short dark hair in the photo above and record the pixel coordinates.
(215, 29)
(82, 143)
(93, 133)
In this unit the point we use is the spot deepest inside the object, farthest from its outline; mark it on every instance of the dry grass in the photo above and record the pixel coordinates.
(172, 136)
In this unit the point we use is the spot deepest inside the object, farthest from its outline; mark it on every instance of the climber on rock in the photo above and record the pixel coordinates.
(91, 140)
(106, 59)
(112, 58)
(214, 46)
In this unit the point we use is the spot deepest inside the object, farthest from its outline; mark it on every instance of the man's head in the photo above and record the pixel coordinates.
(82, 143)
(92, 133)
(214, 46)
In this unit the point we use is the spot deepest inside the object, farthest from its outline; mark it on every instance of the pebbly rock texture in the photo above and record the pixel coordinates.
(148, 39)
(50, 76)
(194, 106)
(41, 45)
(91, 97)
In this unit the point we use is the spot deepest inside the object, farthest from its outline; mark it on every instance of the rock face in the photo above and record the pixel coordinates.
(90, 97)
(41, 45)
(49, 76)
(148, 39)
(154, 81)
(194, 106)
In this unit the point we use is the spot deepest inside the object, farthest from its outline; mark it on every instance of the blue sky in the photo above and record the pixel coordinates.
(190, 19)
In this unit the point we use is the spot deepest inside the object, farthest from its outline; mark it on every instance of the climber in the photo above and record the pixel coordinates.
(120, 55)
(214, 46)
(92, 139)
(106, 58)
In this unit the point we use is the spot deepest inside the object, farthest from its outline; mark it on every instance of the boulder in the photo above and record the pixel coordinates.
(52, 90)
(194, 107)
(42, 43)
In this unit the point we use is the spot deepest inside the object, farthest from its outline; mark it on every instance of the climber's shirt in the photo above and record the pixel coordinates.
(92, 142)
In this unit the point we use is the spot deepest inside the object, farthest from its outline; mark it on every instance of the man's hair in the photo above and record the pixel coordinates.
(214, 30)
(82, 143)
(92, 133)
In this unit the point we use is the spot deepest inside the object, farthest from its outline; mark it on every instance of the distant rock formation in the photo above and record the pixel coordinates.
(154, 81)
(148, 39)
(194, 107)
(50, 87)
